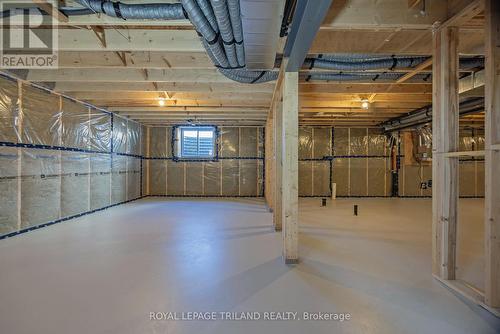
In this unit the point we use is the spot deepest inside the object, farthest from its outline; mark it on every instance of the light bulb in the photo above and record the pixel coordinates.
(365, 104)
(161, 102)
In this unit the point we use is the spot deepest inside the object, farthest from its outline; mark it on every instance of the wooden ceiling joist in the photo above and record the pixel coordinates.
(128, 65)
(51, 10)
(198, 87)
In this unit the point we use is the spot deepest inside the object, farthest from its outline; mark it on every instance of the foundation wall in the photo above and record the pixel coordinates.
(236, 170)
(60, 158)
(358, 161)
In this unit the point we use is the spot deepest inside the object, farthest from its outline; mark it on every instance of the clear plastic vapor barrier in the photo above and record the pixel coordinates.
(60, 158)
(362, 162)
(353, 160)
(235, 169)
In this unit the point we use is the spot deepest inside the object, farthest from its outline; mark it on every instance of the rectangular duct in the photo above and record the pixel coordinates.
(261, 27)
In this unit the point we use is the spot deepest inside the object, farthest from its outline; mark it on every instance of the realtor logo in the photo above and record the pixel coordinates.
(28, 37)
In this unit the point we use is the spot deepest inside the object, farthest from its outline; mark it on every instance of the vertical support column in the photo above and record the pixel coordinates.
(289, 164)
(492, 153)
(89, 163)
(278, 166)
(147, 155)
(445, 139)
(20, 135)
(269, 161)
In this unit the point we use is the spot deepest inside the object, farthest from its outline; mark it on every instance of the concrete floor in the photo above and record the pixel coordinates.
(106, 272)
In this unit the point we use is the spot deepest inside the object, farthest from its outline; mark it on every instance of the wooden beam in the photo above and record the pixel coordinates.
(445, 124)
(419, 68)
(492, 157)
(355, 88)
(128, 40)
(171, 87)
(141, 95)
(382, 14)
(241, 103)
(183, 108)
(464, 154)
(368, 42)
(289, 165)
(136, 59)
(127, 75)
(413, 3)
(51, 10)
(472, 9)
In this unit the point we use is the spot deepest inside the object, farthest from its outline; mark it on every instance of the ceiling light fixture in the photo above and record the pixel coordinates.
(161, 102)
(365, 104)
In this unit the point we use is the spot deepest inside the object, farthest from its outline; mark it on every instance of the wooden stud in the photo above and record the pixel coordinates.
(445, 139)
(492, 155)
(278, 167)
(472, 9)
(289, 164)
(20, 130)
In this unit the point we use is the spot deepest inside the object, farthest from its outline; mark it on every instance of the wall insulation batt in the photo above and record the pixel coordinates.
(358, 161)
(60, 158)
(236, 170)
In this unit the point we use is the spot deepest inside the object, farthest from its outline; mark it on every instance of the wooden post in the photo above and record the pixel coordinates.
(270, 161)
(278, 165)
(290, 166)
(492, 155)
(445, 139)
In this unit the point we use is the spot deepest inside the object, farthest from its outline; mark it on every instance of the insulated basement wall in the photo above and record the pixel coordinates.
(60, 158)
(237, 171)
(358, 161)
(355, 159)
(471, 170)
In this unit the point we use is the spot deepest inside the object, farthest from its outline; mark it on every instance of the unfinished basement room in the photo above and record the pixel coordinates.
(250, 166)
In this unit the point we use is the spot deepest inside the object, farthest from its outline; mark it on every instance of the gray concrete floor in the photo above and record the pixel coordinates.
(106, 272)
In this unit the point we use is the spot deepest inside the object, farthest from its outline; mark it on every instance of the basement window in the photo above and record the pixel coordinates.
(195, 142)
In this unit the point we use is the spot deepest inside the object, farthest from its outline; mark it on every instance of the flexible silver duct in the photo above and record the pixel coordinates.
(363, 64)
(235, 15)
(208, 11)
(218, 22)
(224, 60)
(203, 26)
(363, 76)
(151, 11)
(250, 77)
(226, 31)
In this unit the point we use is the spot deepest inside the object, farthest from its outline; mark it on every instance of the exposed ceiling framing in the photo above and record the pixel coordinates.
(127, 66)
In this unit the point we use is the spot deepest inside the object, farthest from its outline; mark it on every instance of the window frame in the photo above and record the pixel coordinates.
(178, 142)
